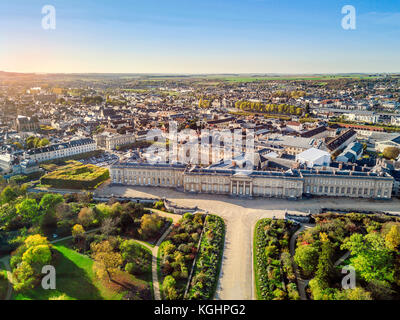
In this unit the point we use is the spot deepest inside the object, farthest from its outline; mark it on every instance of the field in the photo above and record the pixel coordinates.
(300, 78)
(75, 175)
(77, 281)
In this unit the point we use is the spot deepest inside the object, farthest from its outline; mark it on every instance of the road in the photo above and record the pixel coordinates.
(240, 215)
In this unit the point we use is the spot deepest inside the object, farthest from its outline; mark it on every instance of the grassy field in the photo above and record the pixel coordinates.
(3, 281)
(77, 281)
(302, 78)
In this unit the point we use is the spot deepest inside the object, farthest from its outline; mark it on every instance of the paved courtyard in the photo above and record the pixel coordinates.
(236, 281)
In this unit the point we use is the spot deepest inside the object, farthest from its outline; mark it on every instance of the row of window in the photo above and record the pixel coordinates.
(347, 191)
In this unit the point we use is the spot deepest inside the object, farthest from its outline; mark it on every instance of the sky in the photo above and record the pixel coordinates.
(200, 36)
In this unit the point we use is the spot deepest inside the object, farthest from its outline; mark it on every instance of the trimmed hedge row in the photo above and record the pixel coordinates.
(208, 264)
(75, 175)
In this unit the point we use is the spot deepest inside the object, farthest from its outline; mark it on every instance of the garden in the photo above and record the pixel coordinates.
(177, 253)
(275, 277)
(367, 243)
(208, 262)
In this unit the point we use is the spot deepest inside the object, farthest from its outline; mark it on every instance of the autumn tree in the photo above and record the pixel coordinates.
(86, 216)
(150, 225)
(29, 260)
(107, 261)
(392, 239)
(78, 232)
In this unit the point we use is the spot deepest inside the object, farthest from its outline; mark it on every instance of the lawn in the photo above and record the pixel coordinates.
(76, 280)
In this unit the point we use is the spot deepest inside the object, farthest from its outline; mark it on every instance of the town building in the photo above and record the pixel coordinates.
(110, 141)
(23, 123)
(62, 150)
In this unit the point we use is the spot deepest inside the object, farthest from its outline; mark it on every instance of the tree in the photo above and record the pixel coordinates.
(357, 293)
(325, 267)
(29, 260)
(169, 288)
(370, 256)
(28, 209)
(50, 201)
(107, 261)
(8, 194)
(306, 257)
(86, 216)
(44, 142)
(391, 153)
(78, 232)
(392, 239)
(150, 225)
(109, 225)
(380, 290)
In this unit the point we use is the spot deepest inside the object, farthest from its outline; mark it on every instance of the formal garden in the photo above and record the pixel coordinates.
(208, 262)
(368, 243)
(75, 175)
(177, 253)
(275, 277)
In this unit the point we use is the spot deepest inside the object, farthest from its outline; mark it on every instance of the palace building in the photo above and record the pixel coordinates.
(292, 184)
(61, 150)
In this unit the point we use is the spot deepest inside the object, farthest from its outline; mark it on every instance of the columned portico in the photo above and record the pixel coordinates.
(242, 186)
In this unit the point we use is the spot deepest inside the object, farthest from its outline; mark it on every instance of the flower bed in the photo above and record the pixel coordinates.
(208, 264)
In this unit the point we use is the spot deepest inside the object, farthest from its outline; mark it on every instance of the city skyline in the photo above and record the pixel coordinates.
(212, 37)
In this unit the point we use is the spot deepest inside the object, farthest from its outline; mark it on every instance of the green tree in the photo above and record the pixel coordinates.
(44, 142)
(357, 293)
(169, 288)
(8, 194)
(28, 209)
(325, 267)
(370, 256)
(306, 257)
(50, 201)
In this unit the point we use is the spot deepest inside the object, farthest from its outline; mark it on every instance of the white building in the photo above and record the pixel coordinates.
(61, 150)
(314, 157)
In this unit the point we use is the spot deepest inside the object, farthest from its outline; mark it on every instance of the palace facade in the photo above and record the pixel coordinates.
(61, 150)
(293, 184)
